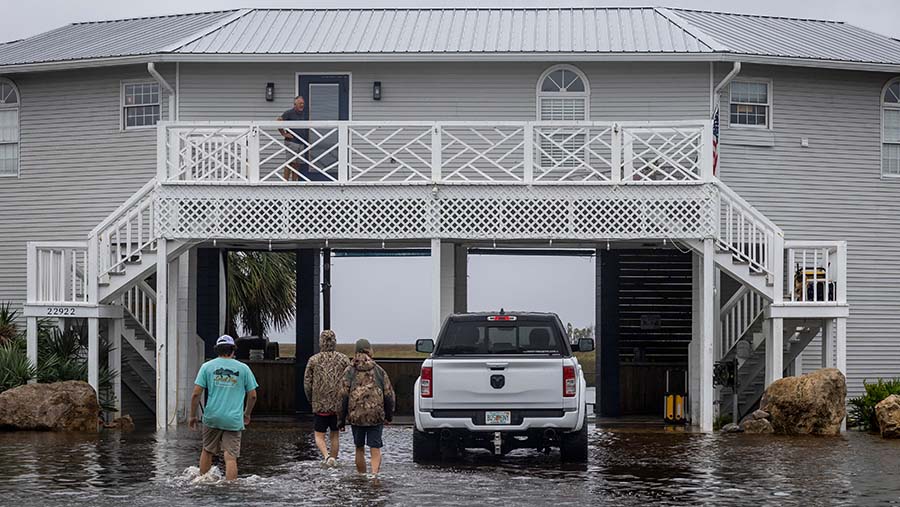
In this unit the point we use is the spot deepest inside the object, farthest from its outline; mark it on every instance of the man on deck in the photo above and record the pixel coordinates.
(295, 141)
(228, 383)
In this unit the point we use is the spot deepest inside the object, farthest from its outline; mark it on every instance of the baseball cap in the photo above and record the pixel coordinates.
(363, 345)
(225, 340)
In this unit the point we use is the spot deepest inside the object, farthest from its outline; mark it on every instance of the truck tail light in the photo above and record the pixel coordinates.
(425, 383)
(569, 381)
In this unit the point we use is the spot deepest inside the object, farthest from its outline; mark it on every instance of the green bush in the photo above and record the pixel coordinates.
(15, 368)
(62, 355)
(862, 408)
(8, 329)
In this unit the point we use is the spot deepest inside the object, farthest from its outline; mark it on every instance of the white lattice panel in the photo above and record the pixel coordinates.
(444, 211)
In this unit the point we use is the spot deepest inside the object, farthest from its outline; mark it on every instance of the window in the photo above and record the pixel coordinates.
(751, 103)
(890, 130)
(140, 104)
(563, 94)
(9, 128)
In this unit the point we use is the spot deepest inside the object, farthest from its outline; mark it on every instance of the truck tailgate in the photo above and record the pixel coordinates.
(524, 382)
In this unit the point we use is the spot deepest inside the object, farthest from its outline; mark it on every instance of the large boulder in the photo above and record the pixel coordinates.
(760, 426)
(62, 406)
(813, 404)
(888, 414)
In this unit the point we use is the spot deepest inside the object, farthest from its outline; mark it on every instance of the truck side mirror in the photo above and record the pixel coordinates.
(425, 345)
(585, 344)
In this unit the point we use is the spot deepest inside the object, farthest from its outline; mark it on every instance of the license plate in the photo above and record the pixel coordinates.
(497, 417)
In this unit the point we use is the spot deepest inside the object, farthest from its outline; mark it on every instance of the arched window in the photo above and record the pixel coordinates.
(9, 128)
(563, 93)
(890, 130)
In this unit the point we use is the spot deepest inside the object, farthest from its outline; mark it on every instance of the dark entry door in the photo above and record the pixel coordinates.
(327, 98)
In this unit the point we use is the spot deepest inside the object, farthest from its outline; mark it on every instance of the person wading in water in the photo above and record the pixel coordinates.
(322, 382)
(367, 404)
(228, 383)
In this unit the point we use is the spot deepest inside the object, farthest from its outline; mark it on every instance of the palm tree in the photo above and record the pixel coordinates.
(261, 291)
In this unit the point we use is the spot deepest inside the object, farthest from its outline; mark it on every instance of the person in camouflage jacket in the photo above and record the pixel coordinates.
(322, 383)
(367, 404)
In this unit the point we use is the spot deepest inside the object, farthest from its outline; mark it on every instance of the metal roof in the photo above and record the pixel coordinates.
(793, 37)
(465, 33)
(105, 39)
(626, 30)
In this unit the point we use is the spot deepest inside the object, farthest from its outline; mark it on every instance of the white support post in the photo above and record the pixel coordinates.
(435, 288)
(627, 155)
(828, 344)
(94, 353)
(528, 156)
(31, 337)
(774, 350)
(162, 159)
(343, 153)
(777, 263)
(707, 333)
(706, 163)
(616, 158)
(840, 345)
(694, 346)
(116, 326)
(162, 322)
(172, 342)
(718, 349)
(841, 272)
(436, 147)
(93, 266)
(840, 353)
(253, 155)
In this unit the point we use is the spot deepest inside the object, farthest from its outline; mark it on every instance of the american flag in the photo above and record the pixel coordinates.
(715, 139)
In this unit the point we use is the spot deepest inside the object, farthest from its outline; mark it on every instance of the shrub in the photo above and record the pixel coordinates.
(8, 329)
(862, 408)
(15, 368)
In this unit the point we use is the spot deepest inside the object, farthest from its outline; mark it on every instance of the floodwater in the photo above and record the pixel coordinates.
(279, 465)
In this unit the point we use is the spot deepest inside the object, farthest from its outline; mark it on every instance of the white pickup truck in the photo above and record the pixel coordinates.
(501, 381)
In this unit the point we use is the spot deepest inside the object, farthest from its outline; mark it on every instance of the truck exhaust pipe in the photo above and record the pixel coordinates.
(549, 434)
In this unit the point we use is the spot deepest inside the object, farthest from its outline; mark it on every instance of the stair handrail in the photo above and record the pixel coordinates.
(738, 315)
(127, 205)
(764, 253)
(140, 302)
(107, 256)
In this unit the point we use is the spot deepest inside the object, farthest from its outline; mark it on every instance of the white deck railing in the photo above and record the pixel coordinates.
(816, 272)
(435, 152)
(57, 272)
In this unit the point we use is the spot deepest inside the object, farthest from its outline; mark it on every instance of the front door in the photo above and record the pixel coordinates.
(327, 98)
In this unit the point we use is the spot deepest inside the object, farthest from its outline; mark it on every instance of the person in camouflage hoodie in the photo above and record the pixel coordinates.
(322, 382)
(368, 402)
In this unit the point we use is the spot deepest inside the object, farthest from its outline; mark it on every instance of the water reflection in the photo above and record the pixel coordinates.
(280, 464)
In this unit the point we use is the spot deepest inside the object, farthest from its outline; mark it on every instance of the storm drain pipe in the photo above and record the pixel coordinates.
(151, 68)
(722, 84)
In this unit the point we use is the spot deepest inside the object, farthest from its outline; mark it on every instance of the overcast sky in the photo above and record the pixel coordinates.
(387, 300)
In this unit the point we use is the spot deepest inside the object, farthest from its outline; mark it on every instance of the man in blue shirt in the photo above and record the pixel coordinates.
(227, 382)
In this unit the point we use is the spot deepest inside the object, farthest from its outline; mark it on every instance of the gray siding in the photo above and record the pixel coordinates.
(448, 91)
(831, 190)
(76, 165)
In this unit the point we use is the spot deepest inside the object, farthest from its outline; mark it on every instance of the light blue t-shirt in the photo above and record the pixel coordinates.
(226, 382)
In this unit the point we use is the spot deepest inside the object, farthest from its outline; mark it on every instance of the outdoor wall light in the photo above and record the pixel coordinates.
(376, 90)
(270, 92)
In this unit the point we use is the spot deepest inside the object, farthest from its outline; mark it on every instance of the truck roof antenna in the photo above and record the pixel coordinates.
(501, 311)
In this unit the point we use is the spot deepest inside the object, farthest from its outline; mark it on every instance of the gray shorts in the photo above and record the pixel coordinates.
(216, 440)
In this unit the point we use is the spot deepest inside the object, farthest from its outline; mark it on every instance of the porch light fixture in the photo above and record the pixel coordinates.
(376, 90)
(270, 92)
